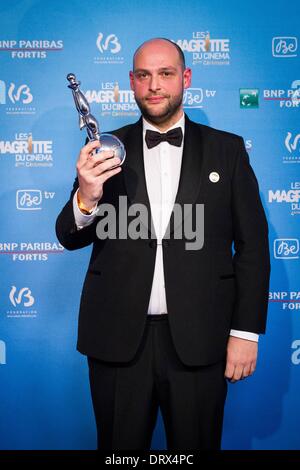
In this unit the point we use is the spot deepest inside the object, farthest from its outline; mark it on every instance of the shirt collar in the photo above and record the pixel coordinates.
(179, 123)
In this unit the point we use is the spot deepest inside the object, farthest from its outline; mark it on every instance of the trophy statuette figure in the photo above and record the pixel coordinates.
(87, 120)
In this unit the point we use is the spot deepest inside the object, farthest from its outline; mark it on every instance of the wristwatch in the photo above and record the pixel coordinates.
(83, 208)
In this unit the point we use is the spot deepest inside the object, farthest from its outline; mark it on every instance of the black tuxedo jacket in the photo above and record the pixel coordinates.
(224, 285)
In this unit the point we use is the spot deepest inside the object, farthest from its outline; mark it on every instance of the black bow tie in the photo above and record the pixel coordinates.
(174, 137)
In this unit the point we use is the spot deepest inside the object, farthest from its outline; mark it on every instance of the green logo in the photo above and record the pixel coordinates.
(249, 98)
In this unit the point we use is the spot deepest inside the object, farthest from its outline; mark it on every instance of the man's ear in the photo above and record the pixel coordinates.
(187, 78)
(131, 80)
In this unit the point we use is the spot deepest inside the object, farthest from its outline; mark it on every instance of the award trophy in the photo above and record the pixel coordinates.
(87, 120)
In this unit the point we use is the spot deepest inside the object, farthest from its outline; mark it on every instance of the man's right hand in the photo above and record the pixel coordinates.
(93, 169)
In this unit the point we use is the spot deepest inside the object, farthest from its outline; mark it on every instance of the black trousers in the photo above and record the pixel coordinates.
(126, 397)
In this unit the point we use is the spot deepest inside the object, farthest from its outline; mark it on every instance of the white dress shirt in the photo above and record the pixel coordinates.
(162, 165)
(162, 171)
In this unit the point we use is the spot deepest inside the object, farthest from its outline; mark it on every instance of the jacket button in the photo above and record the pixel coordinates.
(152, 244)
(165, 243)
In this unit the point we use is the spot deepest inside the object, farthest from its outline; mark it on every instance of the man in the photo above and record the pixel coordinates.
(163, 326)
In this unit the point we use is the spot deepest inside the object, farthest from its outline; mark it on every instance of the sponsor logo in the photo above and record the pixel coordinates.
(249, 98)
(2, 92)
(284, 46)
(206, 50)
(286, 300)
(286, 248)
(248, 145)
(21, 301)
(22, 93)
(289, 196)
(113, 100)
(31, 199)
(284, 98)
(33, 49)
(292, 145)
(23, 297)
(30, 251)
(18, 98)
(111, 43)
(295, 357)
(28, 152)
(109, 48)
(2, 352)
(195, 97)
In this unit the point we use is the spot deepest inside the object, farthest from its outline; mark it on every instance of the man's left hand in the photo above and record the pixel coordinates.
(241, 358)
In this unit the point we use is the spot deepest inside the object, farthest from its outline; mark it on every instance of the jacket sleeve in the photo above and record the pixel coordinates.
(251, 258)
(66, 230)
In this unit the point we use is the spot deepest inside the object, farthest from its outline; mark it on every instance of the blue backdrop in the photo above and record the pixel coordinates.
(246, 80)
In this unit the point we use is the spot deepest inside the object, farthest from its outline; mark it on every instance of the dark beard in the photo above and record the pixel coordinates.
(170, 111)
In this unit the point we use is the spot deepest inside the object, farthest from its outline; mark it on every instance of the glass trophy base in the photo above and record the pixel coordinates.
(111, 142)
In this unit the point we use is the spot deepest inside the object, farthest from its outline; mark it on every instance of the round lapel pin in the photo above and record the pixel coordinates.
(214, 177)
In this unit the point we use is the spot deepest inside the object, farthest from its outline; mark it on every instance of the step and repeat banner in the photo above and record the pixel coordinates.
(246, 79)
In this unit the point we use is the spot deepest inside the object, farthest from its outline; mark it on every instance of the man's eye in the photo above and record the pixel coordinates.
(142, 75)
(166, 74)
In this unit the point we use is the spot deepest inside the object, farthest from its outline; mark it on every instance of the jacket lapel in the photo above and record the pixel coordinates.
(134, 172)
(190, 175)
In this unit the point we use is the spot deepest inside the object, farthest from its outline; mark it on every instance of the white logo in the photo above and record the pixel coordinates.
(33, 49)
(193, 97)
(296, 94)
(286, 300)
(286, 248)
(286, 98)
(284, 46)
(28, 152)
(25, 293)
(214, 177)
(2, 352)
(18, 97)
(113, 100)
(291, 146)
(22, 93)
(110, 95)
(204, 45)
(2, 92)
(291, 196)
(111, 39)
(30, 251)
(295, 358)
(248, 144)
(206, 50)
(29, 199)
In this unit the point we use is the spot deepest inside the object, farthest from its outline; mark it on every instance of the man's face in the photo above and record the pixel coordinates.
(158, 81)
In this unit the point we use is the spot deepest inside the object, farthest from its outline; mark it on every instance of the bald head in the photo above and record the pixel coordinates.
(161, 43)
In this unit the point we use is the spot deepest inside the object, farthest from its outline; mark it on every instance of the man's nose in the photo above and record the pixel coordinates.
(154, 84)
